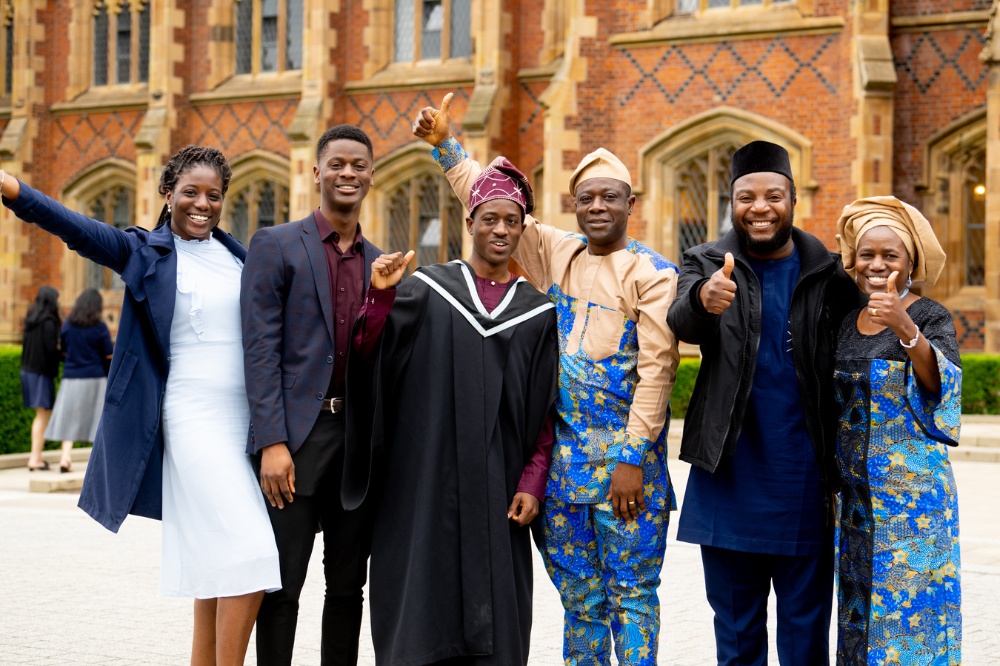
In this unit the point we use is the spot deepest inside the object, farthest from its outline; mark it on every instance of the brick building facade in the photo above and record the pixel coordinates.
(869, 96)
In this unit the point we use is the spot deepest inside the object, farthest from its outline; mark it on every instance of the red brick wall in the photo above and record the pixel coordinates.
(924, 7)
(940, 79)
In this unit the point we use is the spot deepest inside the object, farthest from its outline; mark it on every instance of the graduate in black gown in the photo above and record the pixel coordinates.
(455, 444)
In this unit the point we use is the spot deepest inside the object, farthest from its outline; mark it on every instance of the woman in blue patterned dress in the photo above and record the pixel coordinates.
(899, 382)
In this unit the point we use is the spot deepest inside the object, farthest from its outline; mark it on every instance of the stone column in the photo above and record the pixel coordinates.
(991, 308)
(153, 140)
(559, 100)
(874, 89)
(315, 105)
(16, 156)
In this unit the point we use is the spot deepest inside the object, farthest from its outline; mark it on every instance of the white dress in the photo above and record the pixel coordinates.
(217, 538)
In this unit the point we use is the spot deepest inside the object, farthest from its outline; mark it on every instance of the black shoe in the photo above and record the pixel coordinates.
(65, 468)
(44, 467)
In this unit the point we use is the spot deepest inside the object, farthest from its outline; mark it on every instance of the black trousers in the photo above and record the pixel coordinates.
(346, 546)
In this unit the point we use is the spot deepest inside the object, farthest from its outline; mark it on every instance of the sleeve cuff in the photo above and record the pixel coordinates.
(633, 450)
(448, 153)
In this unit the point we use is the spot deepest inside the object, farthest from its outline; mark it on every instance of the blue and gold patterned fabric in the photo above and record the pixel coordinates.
(899, 588)
(595, 398)
(607, 571)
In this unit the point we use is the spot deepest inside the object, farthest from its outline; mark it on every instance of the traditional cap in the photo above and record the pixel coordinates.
(502, 180)
(905, 221)
(601, 163)
(758, 156)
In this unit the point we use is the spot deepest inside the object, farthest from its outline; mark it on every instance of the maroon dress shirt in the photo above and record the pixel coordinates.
(346, 271)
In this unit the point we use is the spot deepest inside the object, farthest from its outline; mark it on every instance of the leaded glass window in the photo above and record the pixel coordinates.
(263, 203)
(702, 197)
(100, 45)
(431, 30)
(974, 195)
(123, 47)
(424, 215)
(7, 35)
(121, 42)
(143, 73)
(293, 37)
(272, 29)
(116, 207)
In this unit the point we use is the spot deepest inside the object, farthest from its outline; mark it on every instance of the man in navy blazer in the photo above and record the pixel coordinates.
(303, 285)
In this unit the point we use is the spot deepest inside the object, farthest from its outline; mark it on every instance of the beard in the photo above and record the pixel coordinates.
(761, 248)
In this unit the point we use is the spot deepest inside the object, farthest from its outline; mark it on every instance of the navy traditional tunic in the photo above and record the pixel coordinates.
(766, 497)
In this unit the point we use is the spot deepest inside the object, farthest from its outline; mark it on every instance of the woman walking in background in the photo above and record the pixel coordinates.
(172, 438)
(86, 345)
(39, 367)
(898, 378)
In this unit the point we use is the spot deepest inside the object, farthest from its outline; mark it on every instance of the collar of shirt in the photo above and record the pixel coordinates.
(326, 231)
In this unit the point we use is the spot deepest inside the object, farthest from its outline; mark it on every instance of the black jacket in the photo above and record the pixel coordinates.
(40, 346)
(823, 295)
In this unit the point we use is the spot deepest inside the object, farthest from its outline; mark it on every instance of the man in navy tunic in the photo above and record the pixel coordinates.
(764, 303)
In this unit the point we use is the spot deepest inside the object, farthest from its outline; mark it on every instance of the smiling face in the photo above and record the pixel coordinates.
(496, 227)
(763, 211)
(344, 174)
(602, 209)
(880, 252)
(196, 203)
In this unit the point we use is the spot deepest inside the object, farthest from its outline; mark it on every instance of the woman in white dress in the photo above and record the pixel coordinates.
(179, 357)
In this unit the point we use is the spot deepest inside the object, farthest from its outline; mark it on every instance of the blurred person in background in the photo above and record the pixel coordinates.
(39, 367)
(86, 347)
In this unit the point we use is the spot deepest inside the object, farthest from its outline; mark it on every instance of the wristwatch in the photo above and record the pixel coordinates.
(913, 342)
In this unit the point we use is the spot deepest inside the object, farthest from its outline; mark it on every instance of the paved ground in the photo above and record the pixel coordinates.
(72, 593)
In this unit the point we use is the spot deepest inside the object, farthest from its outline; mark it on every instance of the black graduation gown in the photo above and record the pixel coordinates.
(458, 400)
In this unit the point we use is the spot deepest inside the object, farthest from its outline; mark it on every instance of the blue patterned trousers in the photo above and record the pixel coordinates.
(607, 571)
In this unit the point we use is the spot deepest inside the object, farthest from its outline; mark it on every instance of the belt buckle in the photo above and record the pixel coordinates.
(336, 405)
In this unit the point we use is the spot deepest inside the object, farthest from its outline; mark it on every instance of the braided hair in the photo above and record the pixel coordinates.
(185, 160)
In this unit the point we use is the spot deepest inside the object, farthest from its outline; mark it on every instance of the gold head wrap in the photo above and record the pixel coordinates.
(905, 221)
(601, 163)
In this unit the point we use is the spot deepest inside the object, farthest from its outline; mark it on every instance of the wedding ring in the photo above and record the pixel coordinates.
(632, 502)
(873, 311)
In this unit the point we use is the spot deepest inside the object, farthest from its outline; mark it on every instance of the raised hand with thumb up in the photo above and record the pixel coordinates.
(434, 125)
(720, 291)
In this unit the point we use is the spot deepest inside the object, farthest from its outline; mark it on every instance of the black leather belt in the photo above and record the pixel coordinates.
(334, 405)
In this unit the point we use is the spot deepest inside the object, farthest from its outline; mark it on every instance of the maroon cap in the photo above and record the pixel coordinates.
(502, 180)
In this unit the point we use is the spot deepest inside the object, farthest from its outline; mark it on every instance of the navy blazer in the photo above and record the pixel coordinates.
(287, 312)
(124, 474)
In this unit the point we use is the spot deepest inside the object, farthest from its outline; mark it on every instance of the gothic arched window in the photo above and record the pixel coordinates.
(116, 207)
(424, 215)
(974, 214)
(702, 193)
(262, 203)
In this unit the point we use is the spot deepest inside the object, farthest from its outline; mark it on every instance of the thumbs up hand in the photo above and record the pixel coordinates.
(720, 291)
(434, 125)
(886, 309)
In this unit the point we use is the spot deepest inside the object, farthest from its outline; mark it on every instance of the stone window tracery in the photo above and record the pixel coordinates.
(7, 45)
(268, 35)
(262, 203)
(120, 31)
(431, 30)
(424, 215)
(114, 206)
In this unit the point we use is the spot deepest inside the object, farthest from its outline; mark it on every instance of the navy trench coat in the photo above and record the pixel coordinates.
(124, 475)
